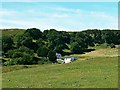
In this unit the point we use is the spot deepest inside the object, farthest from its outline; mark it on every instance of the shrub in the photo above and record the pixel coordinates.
(10, 62)
(52, 56)
(42, 51)
(7, 43)
(27, 60)
(17, 55)
(43, 60)
(112, 45)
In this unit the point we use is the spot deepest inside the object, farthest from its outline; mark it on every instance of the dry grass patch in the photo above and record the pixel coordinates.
(108, 52)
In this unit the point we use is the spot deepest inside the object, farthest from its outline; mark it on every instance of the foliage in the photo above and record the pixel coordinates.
(52, 56)
(27, 42)
(43, 60)
(34, 33)
(112, 45)
(23, 55)
(34, 44)
(42, 51)
(7, 43)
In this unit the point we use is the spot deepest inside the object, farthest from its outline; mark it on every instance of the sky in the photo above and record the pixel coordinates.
(68, 16)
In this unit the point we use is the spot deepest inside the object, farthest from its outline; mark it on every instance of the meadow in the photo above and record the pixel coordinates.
(95, 69)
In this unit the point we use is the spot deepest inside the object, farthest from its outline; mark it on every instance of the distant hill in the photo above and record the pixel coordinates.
(11, 32)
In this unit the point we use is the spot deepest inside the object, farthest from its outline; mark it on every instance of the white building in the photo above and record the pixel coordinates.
(67, 60)
(58, 55)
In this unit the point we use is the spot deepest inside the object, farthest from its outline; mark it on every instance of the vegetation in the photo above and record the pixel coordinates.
(96, 65)
(21, 48)
(52, 56)
(91, 70)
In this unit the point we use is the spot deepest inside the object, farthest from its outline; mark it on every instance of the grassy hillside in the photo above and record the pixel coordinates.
(12, 32)
(96, 69)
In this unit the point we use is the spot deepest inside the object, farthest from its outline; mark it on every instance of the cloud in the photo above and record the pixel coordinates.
(58, 18)
(63, 9)
(7, 12)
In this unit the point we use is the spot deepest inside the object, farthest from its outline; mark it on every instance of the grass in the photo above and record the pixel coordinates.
(89, 71)
(0, 77)
(12, 32)
(6, 69)
(59, 61)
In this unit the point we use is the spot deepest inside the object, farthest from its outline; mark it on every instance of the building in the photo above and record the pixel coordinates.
(67, 60)
(58, 55)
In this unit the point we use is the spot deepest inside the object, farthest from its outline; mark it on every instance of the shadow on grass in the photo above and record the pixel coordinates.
(89, 50)
(82, 52)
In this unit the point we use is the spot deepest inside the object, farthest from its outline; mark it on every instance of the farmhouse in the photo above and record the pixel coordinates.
(69, 59)
(66, 59)
(58, 55)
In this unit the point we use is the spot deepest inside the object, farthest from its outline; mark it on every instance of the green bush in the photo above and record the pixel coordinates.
(112, 45)
(52, 56)
(42, 51)
(17, 54)
(43, 60)
(10, 62)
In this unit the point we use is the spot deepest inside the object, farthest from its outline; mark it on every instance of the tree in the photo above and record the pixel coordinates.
(27, 59)
(23, 55)
(42, 51)
(76, 48)
(19, 38)
(58, 49)
(17, 54)
(25, 50)
(7, 43)
(34, 33)
(40, 42)
(27, 42)
(52, 56)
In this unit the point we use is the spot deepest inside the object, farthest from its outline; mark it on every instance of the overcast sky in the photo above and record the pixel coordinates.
(59, 15)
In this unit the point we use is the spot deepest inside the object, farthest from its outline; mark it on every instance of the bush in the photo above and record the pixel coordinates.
(42, 51)
(23, 56)
(43, 60)
(52, 56)
(112, 45)
(26, 50)
(17, 55)
(76, 48)
(27, 60)
(7, 43)
(10, 62)
(10, 53)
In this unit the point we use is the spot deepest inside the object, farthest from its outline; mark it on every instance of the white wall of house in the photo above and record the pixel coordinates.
(67, 60)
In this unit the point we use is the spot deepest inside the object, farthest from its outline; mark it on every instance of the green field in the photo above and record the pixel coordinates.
(96, 69)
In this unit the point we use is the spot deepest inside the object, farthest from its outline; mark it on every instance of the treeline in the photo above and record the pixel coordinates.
(34, 46)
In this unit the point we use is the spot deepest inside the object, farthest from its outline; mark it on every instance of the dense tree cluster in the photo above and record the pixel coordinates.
(34, 46)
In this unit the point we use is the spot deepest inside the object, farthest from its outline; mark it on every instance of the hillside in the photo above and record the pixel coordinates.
(29, 59)
(32, 46)
(91, 70)
(12, 32)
